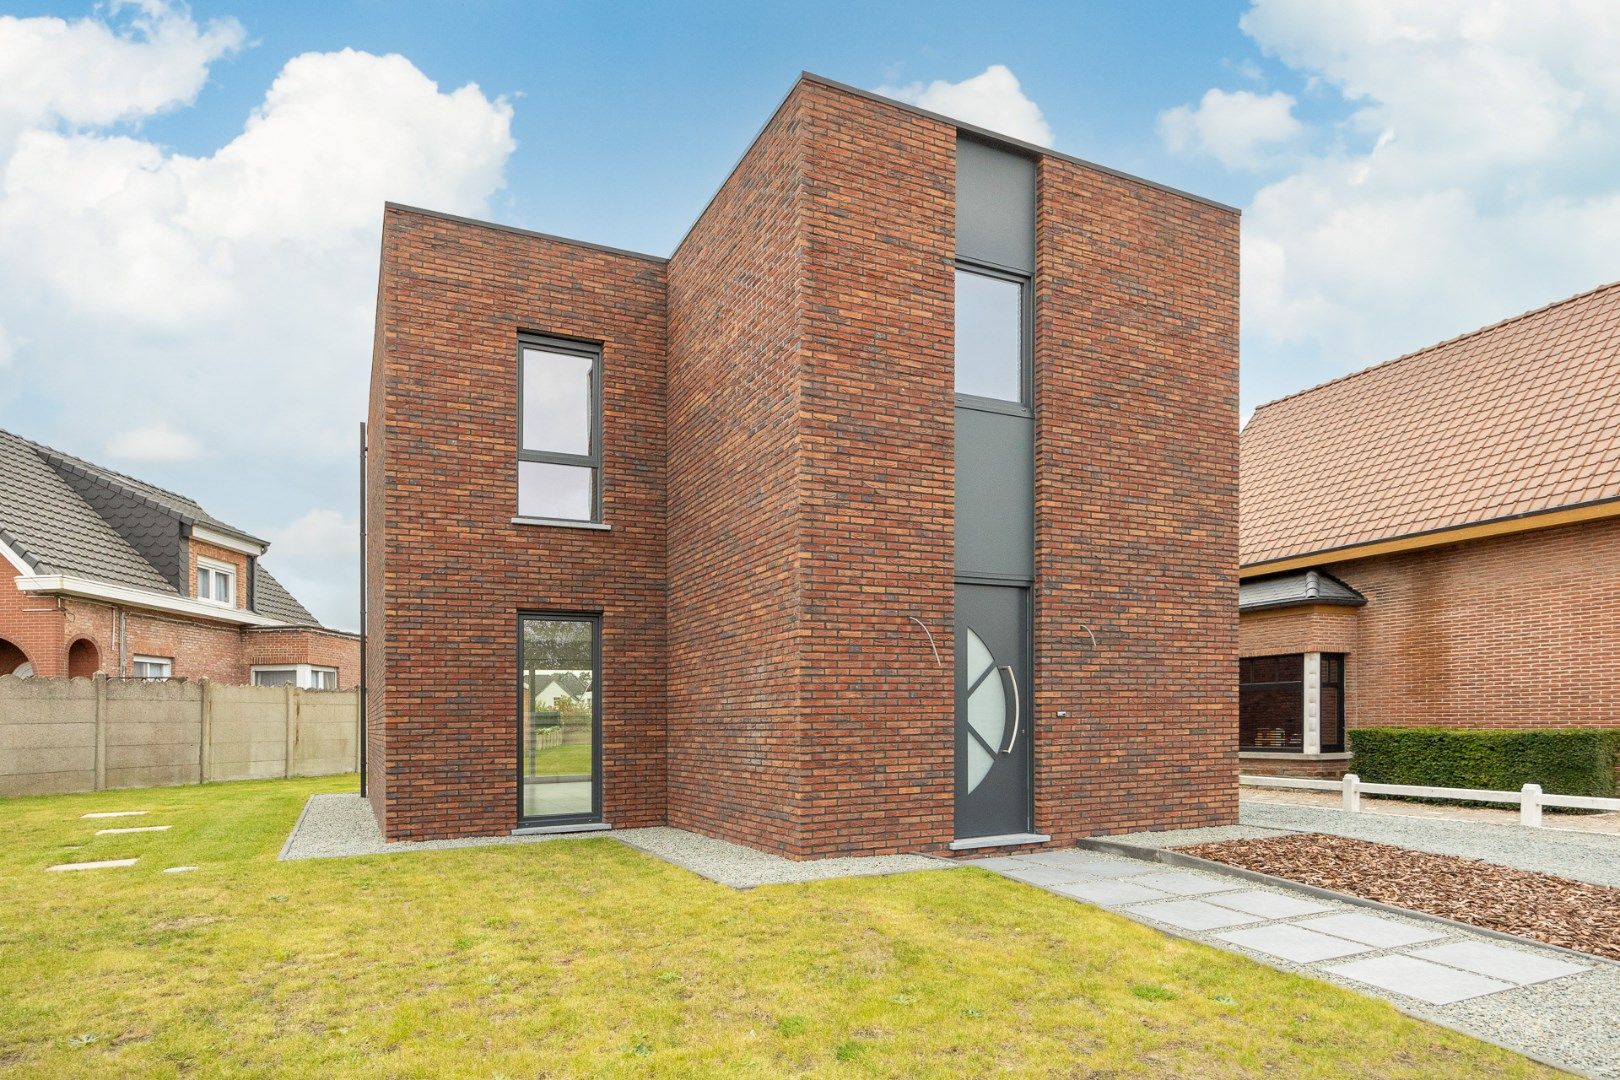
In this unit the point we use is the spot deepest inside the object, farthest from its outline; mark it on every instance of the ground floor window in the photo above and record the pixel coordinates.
(152, 667)
(307, 676)
(559, 719)
(1272, 713)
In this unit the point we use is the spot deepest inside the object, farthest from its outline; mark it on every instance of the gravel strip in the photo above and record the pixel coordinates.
(1571, 914)
(743, 867)
(1590, 857)
(334, 826)
(1179, 838)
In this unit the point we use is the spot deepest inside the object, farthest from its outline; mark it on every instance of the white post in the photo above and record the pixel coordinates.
(1311, 726)
(1352, 793)
(1530, 806)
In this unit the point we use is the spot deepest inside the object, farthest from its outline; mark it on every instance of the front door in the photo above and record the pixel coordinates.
(993, 759)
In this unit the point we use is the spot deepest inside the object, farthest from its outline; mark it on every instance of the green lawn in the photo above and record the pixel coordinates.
(585, 957)
(573, 759)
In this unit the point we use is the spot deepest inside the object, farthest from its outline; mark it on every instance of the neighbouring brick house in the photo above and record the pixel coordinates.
(895, 511)
(1435, 541)
(110, 574)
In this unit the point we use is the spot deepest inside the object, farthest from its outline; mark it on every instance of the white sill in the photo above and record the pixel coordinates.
(1292, 755)
(549, 830)
(1009, 840)
(563, 523)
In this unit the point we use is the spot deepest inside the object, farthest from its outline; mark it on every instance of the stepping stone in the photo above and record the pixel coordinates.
(1109, 893)
(116, 813)
(1520, 968)
(1183, 883)
(141, 828)
(1036, 874)
(1293, 943)
(1193, 915)
(1370, 930)
(1091, 865)
(1269, 904)
(1420, 979)
(104, 864)
(997, 862)
(179, 869)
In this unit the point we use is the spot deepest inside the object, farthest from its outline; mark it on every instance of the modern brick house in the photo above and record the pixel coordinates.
(1435, 541)
(894, 511)
(113, 575)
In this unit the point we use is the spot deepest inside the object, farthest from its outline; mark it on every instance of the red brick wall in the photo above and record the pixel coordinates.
(1136, 365)
(735, 527)
(322, 648)
(1516, 631)
(231, 558)
(1319, 628)
(454, 570)
(877, 461)
(33, 624)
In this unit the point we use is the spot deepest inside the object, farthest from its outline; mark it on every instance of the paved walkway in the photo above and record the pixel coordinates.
(1535, 1000)
(1584, 856)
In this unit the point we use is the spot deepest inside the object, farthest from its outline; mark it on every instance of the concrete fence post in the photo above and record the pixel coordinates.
(1352, 793)
(289, 733)
(1530, 806)
(205, 738)
(100, 681)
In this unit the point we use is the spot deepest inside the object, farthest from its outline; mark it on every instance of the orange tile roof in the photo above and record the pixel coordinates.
(1517, 418)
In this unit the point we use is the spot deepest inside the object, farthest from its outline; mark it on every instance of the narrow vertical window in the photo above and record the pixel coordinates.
(559, 430)
(559, 719)
(990, 335)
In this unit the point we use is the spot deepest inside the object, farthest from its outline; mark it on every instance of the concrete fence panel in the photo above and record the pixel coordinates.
(59, 735)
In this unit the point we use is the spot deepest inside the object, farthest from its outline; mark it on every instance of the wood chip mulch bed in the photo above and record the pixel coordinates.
(1542, 907)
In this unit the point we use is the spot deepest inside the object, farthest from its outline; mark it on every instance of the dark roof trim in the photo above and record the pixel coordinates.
(1314, 587)
(1344, 550)
(477, 223)
(21, 550)
(1007, 140)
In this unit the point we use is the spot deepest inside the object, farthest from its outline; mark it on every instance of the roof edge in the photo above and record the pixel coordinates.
(1531, 313)
(479, 223)
(1486, 528)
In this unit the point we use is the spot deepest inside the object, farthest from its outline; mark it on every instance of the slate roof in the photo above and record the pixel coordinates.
(1293, 590)
(64, 515)
(1516, 418)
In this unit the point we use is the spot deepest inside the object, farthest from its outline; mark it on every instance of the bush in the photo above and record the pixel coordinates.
(1562, 761)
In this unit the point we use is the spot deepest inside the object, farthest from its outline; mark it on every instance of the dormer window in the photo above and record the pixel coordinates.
(216, 582)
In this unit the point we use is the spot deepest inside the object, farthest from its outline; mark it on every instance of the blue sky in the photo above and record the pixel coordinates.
(189, 196)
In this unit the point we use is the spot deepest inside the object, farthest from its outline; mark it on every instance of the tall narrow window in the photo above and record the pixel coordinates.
(990, 335)
(559, 430)
(559, 719)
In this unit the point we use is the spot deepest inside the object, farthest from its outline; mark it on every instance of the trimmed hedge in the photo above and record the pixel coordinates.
(1563, 761)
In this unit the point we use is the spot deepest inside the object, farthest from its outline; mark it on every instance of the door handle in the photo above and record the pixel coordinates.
(1012, 679)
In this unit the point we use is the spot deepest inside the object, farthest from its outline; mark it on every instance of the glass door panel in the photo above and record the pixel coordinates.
(558, 719)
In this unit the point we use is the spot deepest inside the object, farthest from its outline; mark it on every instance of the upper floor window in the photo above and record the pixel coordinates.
(152, 667)
(216, 582)
(559, 430)
(990, 336)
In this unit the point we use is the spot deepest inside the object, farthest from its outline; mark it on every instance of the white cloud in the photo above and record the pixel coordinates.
(317, 535)
(154, 443)
(1471, 175)
(1239, 129)
(232, 292)
(991, 99)
(88, 72)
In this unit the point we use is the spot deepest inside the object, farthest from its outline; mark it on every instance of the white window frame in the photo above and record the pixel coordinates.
(303, 674)
(216, 569)
(167, 663)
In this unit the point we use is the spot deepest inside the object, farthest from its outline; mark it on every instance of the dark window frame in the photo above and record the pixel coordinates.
(594, 619)
(1299, 719)
(1323, 684)
(1026, 338)
(593, 351)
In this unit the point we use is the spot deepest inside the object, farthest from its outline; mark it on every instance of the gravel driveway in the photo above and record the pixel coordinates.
(1593, 857)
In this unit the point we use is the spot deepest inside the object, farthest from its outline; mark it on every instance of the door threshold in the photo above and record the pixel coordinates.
(1005, 840)
(541, 830)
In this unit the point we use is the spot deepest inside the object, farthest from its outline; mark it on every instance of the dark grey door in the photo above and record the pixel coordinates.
(992, 710)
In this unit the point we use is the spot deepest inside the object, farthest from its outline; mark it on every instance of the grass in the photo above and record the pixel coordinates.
(585, 957)
(573, 759)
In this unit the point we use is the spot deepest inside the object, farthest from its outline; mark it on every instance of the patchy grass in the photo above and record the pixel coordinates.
(586, 957)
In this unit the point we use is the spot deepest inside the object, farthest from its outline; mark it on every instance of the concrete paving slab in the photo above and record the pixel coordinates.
(1109, 893)
(104, 864)
(996, 862)
(1184, 883)
(1371, 930)
(1193, 915)
(1293, 943)
(1494, 961)
(1269, 904)
(1094, 866)
(1434, 983)
(114, 813)
(138, 828)
(179, 869)
(1040, 874)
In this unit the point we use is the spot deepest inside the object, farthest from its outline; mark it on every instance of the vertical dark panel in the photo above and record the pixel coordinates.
(995, 206)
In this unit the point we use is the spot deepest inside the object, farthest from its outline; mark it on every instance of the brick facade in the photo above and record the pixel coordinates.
(806, 387)
(1516, 631)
